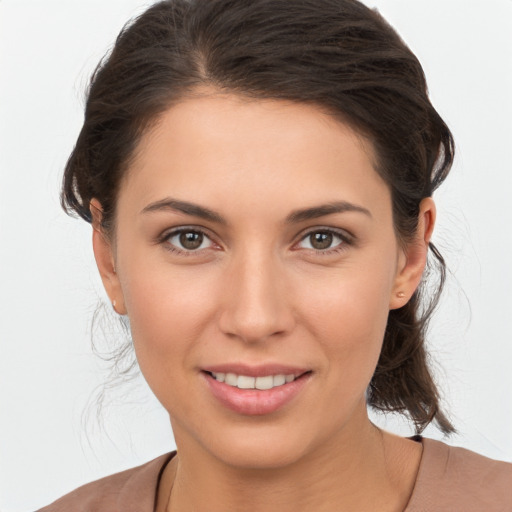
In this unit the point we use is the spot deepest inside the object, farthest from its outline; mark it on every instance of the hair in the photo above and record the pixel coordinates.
(335, 54)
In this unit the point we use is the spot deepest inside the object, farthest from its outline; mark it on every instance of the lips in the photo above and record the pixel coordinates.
(255, 390)
(256, 370)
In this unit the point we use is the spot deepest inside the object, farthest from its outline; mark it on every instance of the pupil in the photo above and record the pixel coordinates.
(321, 240)
(191, 240)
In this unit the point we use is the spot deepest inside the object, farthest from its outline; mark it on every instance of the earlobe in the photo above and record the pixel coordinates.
(413, 258)
(104, 256)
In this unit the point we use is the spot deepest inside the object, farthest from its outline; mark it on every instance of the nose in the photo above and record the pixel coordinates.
(256, 305)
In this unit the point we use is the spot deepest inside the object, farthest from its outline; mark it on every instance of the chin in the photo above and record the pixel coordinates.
(261, 448)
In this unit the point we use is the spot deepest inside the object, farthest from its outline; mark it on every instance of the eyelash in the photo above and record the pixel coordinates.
(346, 240)
(164, 239)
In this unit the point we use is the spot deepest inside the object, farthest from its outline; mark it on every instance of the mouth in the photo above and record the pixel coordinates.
(262, 383)
(261, 392)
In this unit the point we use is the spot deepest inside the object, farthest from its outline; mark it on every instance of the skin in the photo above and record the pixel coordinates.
(257, 292)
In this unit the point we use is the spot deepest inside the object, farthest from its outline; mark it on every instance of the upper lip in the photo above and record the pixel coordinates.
(260, 370)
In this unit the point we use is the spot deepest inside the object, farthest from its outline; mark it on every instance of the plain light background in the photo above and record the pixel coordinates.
(50, 288)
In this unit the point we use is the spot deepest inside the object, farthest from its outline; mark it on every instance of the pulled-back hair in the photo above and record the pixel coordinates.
(336, 54)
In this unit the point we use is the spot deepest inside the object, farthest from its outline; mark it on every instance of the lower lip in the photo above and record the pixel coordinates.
(254, 402)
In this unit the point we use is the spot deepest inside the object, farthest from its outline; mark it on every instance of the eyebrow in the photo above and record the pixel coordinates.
(294, 217)
(185, 207)
(325, 209)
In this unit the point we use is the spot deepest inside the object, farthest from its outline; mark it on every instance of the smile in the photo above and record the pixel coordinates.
(268, 390)
(247, 382)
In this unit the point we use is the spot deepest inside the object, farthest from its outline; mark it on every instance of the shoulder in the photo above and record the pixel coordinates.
(452, 479)
(133, 489)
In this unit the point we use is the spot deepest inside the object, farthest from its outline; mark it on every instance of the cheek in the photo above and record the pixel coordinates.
(169, 310)
(348, 318)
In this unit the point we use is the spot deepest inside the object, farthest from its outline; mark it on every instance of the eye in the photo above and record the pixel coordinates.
(188, 240)
(323, 240)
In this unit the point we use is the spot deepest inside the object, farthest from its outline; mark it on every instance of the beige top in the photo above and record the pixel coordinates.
(449, 479)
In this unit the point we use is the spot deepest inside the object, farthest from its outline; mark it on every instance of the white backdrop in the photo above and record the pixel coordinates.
(49, 287)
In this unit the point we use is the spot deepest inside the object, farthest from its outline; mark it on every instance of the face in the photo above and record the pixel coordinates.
(255, 244)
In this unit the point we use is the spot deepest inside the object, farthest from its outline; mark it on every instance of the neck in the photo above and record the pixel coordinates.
(364, 470)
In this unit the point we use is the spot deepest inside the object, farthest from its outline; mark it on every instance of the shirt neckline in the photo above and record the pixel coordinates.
(140, 491)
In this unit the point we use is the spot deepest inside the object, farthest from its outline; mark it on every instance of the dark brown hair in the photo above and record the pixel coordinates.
(336, 54)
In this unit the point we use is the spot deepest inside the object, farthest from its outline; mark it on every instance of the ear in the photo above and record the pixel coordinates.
(413, 257)
(104, 255)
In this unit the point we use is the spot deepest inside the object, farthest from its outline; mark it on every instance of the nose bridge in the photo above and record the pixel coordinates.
(256, 304)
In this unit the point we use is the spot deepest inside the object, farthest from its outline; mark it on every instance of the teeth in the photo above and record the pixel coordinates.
(265, 382)
(246, 382)
(279, 380)
(230, 379)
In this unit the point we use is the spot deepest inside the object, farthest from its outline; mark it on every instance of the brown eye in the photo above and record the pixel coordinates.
(325, 240)
(321, 240)
(188, 240)
(191, 240)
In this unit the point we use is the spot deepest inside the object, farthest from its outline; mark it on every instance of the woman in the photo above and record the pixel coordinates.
(259, 176)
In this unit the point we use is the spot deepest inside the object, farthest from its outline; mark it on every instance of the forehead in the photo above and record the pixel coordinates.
(217, 146)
